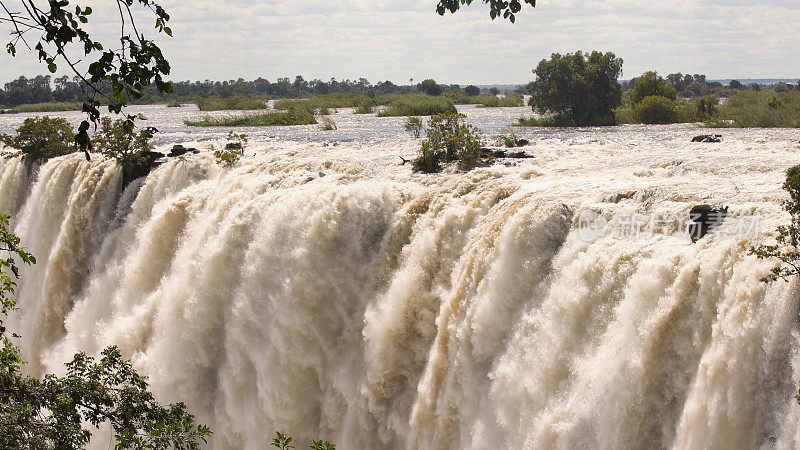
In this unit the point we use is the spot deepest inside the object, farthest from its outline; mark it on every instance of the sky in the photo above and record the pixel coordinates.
(398, 40)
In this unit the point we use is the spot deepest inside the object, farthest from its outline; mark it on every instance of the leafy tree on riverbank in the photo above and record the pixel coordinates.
(430, 87)
(472, 90)
(42, 138)
(59, 412)
(656, 109)
(650, 84)
(578, 89)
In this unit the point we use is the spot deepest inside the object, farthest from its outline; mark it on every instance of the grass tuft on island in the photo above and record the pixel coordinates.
(273, 118)
(44, 107)
(238, 103)
(335, 100)
(418, 105)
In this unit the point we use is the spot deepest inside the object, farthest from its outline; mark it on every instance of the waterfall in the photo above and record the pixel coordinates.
(327, 300)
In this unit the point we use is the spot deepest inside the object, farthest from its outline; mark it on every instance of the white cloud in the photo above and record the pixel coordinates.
(382, 39)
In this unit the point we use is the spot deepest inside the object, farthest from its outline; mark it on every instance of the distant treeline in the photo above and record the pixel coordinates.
(694, 86)
(66, 93)
(45, 89)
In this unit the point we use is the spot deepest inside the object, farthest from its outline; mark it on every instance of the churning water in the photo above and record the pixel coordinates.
(322, 289)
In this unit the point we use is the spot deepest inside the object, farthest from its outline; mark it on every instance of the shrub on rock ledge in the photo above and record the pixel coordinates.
(449, 139)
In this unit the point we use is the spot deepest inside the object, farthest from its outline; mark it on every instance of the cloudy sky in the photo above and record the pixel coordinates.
(398, 40)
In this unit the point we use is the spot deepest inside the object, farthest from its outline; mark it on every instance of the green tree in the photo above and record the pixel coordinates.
(448, 139)
(787, 246)
(497, 8)
(706, 107)
(650, 84)
(414, 126)
(579, 89)
(430, 87)
(676, 80)
(58, 34)
(117, 139)
(472, 90)
(27, 90)
(656, 109)
(59, 412)
(42, 138)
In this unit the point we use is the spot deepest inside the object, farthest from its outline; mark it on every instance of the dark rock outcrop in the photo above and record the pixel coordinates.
(148, 162)
(178, 150)
(707, 138)
(497, 153)
(703, 219)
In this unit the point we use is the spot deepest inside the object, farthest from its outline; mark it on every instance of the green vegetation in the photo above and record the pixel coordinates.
(461, 98)
(506, 9)
(118, 140)
(43, 107)
(284, 442)
(418, 105)
(577, 89)
(363, 109)
(787, 246)
(694, 99)
(472, 91)
(759, 109)
(650, 84)
(624, 115)
(430, 87)
(337, 100)
(484, 100)
(273, 118)
(414, 126)
(59, 412)
(42, 138)
(233, 151)
(448, 139)
(327, 124)
(493, 101)
(110, 76)
(238, 103)
(656, 109)
(509, 138)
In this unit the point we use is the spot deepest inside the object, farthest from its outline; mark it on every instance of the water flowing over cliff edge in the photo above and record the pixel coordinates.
(329, 293)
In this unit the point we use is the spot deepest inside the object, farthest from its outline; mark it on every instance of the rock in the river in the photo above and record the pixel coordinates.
(704, 218)
(707, 138)
(149, 161)
(178, 150)
(498, 153)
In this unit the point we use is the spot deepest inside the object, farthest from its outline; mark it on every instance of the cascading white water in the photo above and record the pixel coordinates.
(328, 293)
